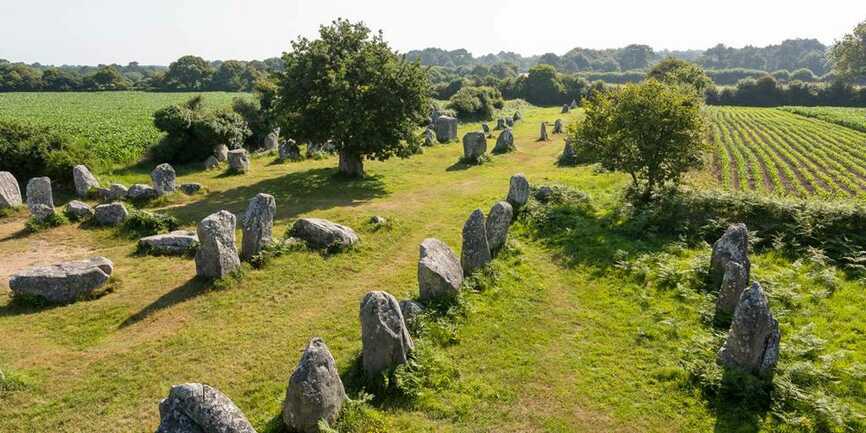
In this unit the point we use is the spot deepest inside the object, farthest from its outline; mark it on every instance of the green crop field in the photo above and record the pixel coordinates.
(854, 118)
(777, 152)
(117, 125)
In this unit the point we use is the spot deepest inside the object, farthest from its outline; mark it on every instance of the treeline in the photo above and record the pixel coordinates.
(769, 92)
(189, 73)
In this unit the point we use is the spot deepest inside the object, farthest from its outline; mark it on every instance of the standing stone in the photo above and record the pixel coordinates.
(573, 104)
(509, 122)
(384, 337)
(79, 211)
(439, 270)
(163, 178)
(498, 221)
(411, 310)
(446, 129)
(289, 151)
(753, 339)
(239, 162)
(116, 191)
(84, 180)
(39, 196)
(272, 140)
(323, 234)
(258, 224)
(557, 126)
(10, 192)
(500, 123)
(732, 246)
(315, 391)
(569, 154)
(518, 191)
(221, 152)
(734, 281)
(199, 408)
(476, 249)
(110, 214)
(542, 135)
(565, 108)
(505, 142)
(217, 255)
(517, 116)
(474, 146)
(429, 136)
(211, 162)
(485, 128)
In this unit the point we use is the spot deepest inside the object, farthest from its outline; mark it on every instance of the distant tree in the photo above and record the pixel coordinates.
(635, 56)
(188, 73)
(59, 80)
(231, 76)
(350, 88)
(674, 71)
(549, 59)
(106, 78)
(848, 55)
(652, 131)
(542, 86)
(18, 77)
(803, 74)
(476, 103)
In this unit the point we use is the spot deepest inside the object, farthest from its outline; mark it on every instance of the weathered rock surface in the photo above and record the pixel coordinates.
(178, 242)
(39, 193)
(239, 161)
(429, 137)
(733, 245)
(272, 140)
(505, 142)
(140, 192)
(557, 126)
(565, 109)
(199, 408)
(498, 222)
(110, 214)
(446, 129)
(542, 134)
(509, 122)
(439, 271)
(163, 178)
(476, 249)
(474, 146)
(385, 339)
(501, 124)
(190, 188)
(289, 151)
(734, 281)
(84, 180)
(485, 128)
(323, 234)
(411, 310)
(517, 116)
(569, 154)
(217, 255)
(78, 210)
(315, 391)
(116, 192)
(63, 282)
(518, 191)
(211, 162)
(753, 339)
(10, 192)
(258, 223)
(221, 152)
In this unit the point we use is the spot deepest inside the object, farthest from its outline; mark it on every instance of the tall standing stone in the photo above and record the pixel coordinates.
(498, 222)
(733, 245)
(518, 191)
(239, 161)
(384, 337)
(474, 146)
(505, 142)
(40, 199)
(163, 178)
(272, 140)
(734, 282)
(753, 339)
(84, 180)
(446, 129)
(258, 224)
(439, 270)
(199, 408)
(10, 192)
(476, 249)
(217, 255)
(542, 134)
(557, 126)
(289, 150)
(315, 391)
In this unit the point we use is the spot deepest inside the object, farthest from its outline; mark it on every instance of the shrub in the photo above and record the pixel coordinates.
(142, 223)
(56, 219)
(29, 151)
(192, 132)
(476, 103)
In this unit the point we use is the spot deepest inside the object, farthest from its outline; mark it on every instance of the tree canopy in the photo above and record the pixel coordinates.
(848, 54)
(675, 71)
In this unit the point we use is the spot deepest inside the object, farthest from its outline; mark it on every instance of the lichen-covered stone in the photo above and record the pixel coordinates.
(79, 211)
(110, 214)
(258, 224)
(439, 271)
(518, 191)
(733, 245)
(239, 161)
(474, 146)
(84, 180)
(323, 234)
(63, 282)
(10, 192)
(384, 336)
(505, 142)
(217, 255)
(178, 242)
(446, 129)
(163, 178)
(199, 408)
(476, 249)
(39, 193)
(315, 391)
(498, 222)
(753, 339)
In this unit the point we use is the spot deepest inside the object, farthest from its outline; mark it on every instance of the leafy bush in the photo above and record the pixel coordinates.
(357, 416)
(476, 103)
(141, 223)
(56, 219)
(257, 119)
(192, 132)
(29, 151)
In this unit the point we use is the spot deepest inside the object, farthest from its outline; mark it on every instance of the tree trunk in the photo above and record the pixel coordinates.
(351, 165)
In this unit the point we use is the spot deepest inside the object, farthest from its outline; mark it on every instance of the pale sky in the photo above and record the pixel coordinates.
(160, 31)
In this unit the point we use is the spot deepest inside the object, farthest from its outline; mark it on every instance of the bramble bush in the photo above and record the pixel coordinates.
(476, 103)
(29, 151)
(192, 132)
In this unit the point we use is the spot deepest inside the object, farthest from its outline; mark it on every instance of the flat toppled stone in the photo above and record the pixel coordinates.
(190, 188)
(439, 270)
(199, 408)
(179, 242)
(141, 192)
(63, 282)
(323, 234)
(116, 192)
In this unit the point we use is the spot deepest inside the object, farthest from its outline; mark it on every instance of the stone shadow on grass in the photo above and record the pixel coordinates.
(188, 290)
(296, 193)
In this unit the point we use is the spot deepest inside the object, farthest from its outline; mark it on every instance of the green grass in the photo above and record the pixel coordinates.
(116, 126)
(854, 118)
(568, 332)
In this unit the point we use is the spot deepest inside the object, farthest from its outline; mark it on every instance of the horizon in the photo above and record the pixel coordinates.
(74, 32)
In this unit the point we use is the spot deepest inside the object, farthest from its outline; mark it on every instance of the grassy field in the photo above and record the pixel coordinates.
(117, 125)
(776, 152)
(582, 329)
(854, 118)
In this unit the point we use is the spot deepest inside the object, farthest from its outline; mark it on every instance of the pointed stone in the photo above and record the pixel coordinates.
(733, 245)
(84, 180)
(385, 339)
(315, 391)
(439, 271)
(476, 250)
(753, 339)
(505, 142)
(542, 135)
(258, 225)
(498, 222)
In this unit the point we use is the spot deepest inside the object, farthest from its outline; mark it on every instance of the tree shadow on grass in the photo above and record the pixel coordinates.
(295, 193)
(741, 403)
(188, 290)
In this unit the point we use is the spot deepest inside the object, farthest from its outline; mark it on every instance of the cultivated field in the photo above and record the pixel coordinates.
(117, 125)
(777, 152)
(854, 118)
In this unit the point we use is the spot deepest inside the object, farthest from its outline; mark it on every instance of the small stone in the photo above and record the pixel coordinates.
(385, 339)
(163, 178)
(517, 116)
(429, 137)
(110, 214)
(543, 193)
(573, 104)
(178, 242)
(501, 124)
(509, 122)
(84, 180)
(753, 339)
(377, 220)
(565, 109)
(141, 192)
(79, 211)
(221, 152)
(485, 128)
(498, 222)
(239, 161)
(557, 126)
(474, 146)
(439, 271)
(258, 224)
(199, 408)
(446, 129)
(63, 282)
(323, 234)
(190, 188)
(569, 154)
(542, 135)
(518, 191)
(116, 192)
(39, 193)
(411, 310)
(211, 162)
(10, 192)
(476, 249)
(733, 245)
(315, 391)
(289, 151)
(217, 255)
(505, 142)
